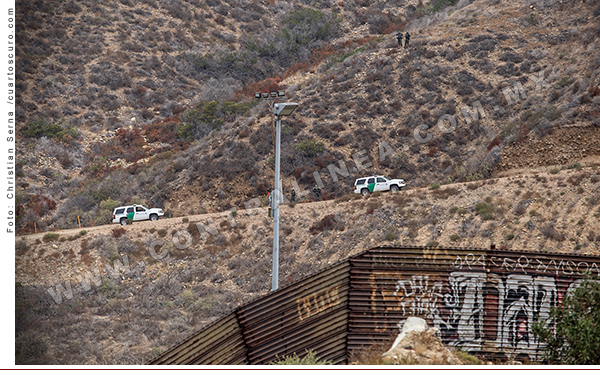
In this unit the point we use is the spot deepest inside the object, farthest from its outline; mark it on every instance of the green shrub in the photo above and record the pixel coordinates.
(485, 210)
(305, 26)
(293, 360)
(108, 288)
(510, 237)
(185, 131)
(437, 5)
(105, 208)
(50, 237)
(455, 237)
(391, 233)
(236, 109)
(185, 298)
(468, 358)
(572, 332)
(435, 186)
(309, 147)
(200, 120)
(44, 128)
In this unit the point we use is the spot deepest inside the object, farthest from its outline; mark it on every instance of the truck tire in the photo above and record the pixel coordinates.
(364, 192)
(153, 217)
(123, 221)
(394, 188)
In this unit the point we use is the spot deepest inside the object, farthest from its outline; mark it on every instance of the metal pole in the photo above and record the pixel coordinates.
(275, 203)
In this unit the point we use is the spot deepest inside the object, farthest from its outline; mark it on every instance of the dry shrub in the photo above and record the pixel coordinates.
(225, 225)
(118, 232)
(593, 237)
(550, 232)
(594, 200)
(328, 222)
(371, 207)
(445, 193)
(575, 180)
(193, 230)
(371, 354)
(401, 200)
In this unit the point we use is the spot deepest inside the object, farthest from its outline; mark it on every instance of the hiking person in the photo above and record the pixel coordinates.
(317, 192)
(399, 38)
(406, 39)
(293, 196)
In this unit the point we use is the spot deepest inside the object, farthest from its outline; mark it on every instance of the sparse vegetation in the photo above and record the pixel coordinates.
(309, 359)
(485, 210)
(391, 233)
(467, 358)
(42, 127)
(51, 237)
(309, 147)
(153, 101)
(328, 222)
(552, 233)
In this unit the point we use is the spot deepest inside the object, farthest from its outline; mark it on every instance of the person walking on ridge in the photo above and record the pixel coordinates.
(317, 192)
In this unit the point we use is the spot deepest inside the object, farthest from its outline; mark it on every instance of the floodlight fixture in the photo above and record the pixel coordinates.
(265, 95)
(280, 93)
(284, 109)
(273, 94)
(257, 95)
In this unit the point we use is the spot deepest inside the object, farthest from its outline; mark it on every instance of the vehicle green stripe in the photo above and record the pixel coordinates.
(130, 215)
(371, 187)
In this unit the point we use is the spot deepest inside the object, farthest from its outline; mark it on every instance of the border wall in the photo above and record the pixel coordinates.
(483, 301)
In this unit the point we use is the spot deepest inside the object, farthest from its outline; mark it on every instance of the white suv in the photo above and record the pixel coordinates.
(370, 184)
(135, 213)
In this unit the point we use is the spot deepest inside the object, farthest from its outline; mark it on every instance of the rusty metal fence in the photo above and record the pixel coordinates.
(483, 301)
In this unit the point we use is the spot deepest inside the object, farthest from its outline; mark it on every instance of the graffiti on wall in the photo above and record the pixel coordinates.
(317, 302)
(485, 302)
(496, 310)
(526, 265)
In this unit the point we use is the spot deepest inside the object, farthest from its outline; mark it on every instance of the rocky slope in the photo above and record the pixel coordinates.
(496, 101)
(172, 278)
(481, 82)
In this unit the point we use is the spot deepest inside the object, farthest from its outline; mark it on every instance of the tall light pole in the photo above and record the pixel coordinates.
(279, 110)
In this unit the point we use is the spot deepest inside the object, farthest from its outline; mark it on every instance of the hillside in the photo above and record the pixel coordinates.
(147, 96)
(491, 116)
(131, 315)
